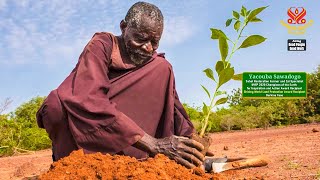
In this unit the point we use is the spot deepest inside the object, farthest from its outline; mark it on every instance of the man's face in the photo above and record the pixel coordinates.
(143, 41)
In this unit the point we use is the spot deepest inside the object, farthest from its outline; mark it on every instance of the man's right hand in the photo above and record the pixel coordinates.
(183, 150)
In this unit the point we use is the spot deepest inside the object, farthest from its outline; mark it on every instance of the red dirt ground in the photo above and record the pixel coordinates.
(105, 167)
(294, 153)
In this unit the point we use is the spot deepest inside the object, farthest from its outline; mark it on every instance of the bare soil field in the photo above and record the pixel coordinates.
(294, 153)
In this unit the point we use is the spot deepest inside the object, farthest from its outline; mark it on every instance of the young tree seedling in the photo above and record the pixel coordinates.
(223, 68)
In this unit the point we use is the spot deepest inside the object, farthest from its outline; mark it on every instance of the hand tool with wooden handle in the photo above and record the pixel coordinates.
(239, 164)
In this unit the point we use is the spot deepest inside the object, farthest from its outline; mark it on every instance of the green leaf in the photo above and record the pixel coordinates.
(237, 77)
(228, 22)
(219, 67)
(220, 93)
(252, 41)
(255, 19)
(206, 90)
(221, 101)
(225, 75)
(243, 11)
(209, 73)
(237, 25)
(255, 12)
(223, 46)
(248, 12)
(205, 108)
(236, 14)
(216, 34)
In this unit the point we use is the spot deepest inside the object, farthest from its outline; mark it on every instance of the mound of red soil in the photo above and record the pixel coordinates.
(98, 166)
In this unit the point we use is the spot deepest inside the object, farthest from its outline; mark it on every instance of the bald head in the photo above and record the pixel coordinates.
(143, 10)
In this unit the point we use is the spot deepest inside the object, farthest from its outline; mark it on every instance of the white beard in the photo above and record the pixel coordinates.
(136, 60)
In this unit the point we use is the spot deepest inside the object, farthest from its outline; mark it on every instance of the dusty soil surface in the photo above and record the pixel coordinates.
(294, 153)
(98, 166)
(29, 165)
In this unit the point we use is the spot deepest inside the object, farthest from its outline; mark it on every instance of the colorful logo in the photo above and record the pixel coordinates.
(297, 24)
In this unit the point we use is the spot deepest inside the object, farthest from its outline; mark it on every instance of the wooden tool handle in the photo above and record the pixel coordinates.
(252, 162)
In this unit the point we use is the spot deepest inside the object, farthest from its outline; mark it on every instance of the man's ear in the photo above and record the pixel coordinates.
(123, 26)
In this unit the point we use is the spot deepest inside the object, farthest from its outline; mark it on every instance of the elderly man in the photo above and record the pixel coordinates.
(121, 97)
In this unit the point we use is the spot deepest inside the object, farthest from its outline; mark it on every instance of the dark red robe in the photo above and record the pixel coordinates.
(106, 103)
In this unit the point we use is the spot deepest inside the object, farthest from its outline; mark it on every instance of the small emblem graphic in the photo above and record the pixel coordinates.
(296, 16)
(297, 24)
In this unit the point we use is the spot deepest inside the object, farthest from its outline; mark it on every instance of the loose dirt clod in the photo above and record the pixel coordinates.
(21, 170)
(98, 166)
(205, 141)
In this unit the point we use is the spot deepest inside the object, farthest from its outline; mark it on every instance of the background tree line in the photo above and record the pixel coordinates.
(19, 131)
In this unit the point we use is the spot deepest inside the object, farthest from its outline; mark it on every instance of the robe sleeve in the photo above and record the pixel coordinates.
(94, 121)
(183, 125)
